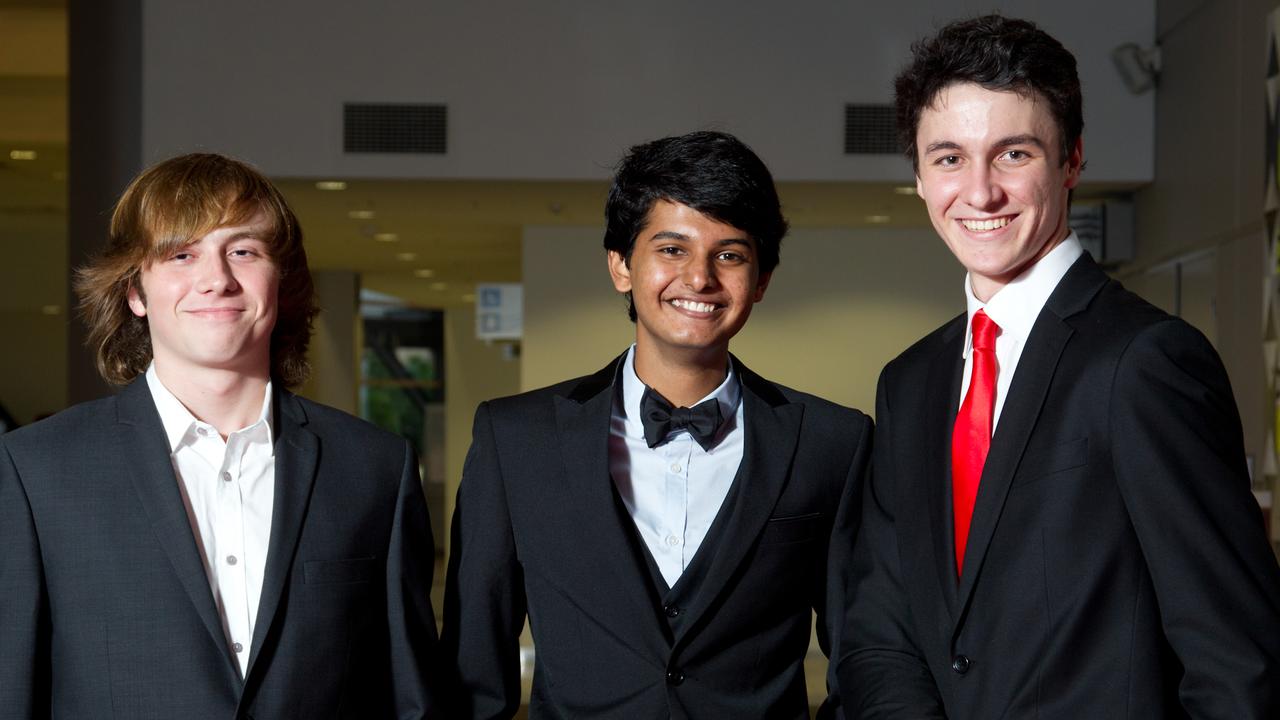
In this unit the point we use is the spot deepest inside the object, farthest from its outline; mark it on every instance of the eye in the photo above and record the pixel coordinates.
(947, 161)
(672, 250)
(1017, 155)
(182, 255)
(731, 256)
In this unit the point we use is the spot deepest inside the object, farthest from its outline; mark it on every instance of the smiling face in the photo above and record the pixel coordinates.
(992, 179)
(211, 304)
(693, 281)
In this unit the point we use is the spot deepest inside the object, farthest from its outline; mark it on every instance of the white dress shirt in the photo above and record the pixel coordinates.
(229, 489)
(1014, 308)
(674, 490)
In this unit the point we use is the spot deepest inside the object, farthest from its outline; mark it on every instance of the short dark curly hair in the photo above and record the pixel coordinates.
(712, 172)
(997, 53)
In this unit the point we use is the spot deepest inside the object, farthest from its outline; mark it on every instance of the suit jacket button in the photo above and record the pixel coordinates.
(674, 677)
(960, 664)
(671, 610)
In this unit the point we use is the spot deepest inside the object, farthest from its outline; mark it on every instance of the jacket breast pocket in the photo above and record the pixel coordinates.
(791, 529)
(339, 572)
(1040, 463)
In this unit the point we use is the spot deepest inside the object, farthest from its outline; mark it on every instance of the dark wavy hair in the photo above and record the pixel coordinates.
(166, 207)
(997, 53)
(714, 173)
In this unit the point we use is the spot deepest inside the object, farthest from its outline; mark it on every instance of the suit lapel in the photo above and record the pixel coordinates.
(297, 453)
(1049, 336)
(943, 398)
(772, 430)
(582, 424)
(146, 454)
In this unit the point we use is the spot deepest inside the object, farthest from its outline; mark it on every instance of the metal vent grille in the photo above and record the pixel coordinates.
(870, 130)
(394, 128)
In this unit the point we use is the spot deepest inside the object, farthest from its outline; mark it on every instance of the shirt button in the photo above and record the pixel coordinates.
(674, 677)
(202, 432)
(226, 476)
(671, 610)
(231, 559)
(960, 664)
(675, 467)
(672, 540)
(237, 647)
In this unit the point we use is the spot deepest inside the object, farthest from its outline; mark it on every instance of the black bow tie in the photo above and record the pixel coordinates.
(661, 419)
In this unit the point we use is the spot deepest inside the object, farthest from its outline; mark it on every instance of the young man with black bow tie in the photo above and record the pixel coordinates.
(665, 522)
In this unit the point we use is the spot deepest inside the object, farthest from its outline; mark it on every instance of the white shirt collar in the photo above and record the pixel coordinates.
(178, 420)
(1015, 307)
(728, 394)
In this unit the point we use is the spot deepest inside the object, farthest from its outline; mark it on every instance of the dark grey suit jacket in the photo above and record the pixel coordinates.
(105, 609)
(538, 530)
(1116, 564)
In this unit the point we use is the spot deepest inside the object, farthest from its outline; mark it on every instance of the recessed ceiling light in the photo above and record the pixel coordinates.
(51, 309)
(424, 273)
(407, 256)
(22, 154)
(469, 298)
(878, 219)
(331, 185)
(361, 214)
(386, 237)
(905, 190)
(438, 286)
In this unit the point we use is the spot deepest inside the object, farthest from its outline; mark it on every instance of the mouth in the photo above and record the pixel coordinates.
(216, 313)
(694, 306)
(986, 225)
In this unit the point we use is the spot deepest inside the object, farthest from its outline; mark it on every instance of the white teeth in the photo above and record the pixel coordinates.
(694, 306)
(985, 225)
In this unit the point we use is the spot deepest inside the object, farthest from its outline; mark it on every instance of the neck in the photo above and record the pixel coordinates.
(683, 380)
(226, 399)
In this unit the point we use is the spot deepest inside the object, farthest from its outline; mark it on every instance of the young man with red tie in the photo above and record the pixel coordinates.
(1059, 522)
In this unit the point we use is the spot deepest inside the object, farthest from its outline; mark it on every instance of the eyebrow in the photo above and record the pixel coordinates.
(673, 235)
(1024, 139)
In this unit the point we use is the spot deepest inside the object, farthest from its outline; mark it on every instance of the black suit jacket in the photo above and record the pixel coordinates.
(1116, 564)
(537, 529)
(105, 609)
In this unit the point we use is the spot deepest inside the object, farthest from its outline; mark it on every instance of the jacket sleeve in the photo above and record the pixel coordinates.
(1178, 454)
(844, 529)
(411, 620)
(24, 613)
(881, 671)
(484, 597)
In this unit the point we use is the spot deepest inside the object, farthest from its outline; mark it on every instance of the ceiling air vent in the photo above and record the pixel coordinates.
(870, 130)
(394, 128)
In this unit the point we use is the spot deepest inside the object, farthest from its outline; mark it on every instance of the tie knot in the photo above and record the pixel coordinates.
(984, 331)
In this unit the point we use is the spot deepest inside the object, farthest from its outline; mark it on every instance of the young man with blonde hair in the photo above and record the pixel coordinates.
(205, 543)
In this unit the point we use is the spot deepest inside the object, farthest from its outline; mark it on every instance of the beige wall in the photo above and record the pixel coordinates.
(841, 304)
(335, 345)
(1207, 193)
(474, 371)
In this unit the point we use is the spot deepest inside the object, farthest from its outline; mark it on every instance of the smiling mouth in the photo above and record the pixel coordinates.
(986, 225)
(694, 306)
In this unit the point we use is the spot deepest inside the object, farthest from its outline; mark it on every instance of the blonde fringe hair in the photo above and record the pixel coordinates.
(166, 207)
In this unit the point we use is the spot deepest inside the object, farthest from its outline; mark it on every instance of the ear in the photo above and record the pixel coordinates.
(1075, 163)
(136, 303)
(919, 187)
(619, 271)
(762, 284)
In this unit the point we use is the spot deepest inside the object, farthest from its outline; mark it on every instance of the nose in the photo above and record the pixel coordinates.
(216, 275)
(700, 273)
(982, 187)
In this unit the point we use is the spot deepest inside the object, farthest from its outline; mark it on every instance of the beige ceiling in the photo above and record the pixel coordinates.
(457, 232)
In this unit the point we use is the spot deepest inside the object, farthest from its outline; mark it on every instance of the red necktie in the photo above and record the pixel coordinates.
(972, 436)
